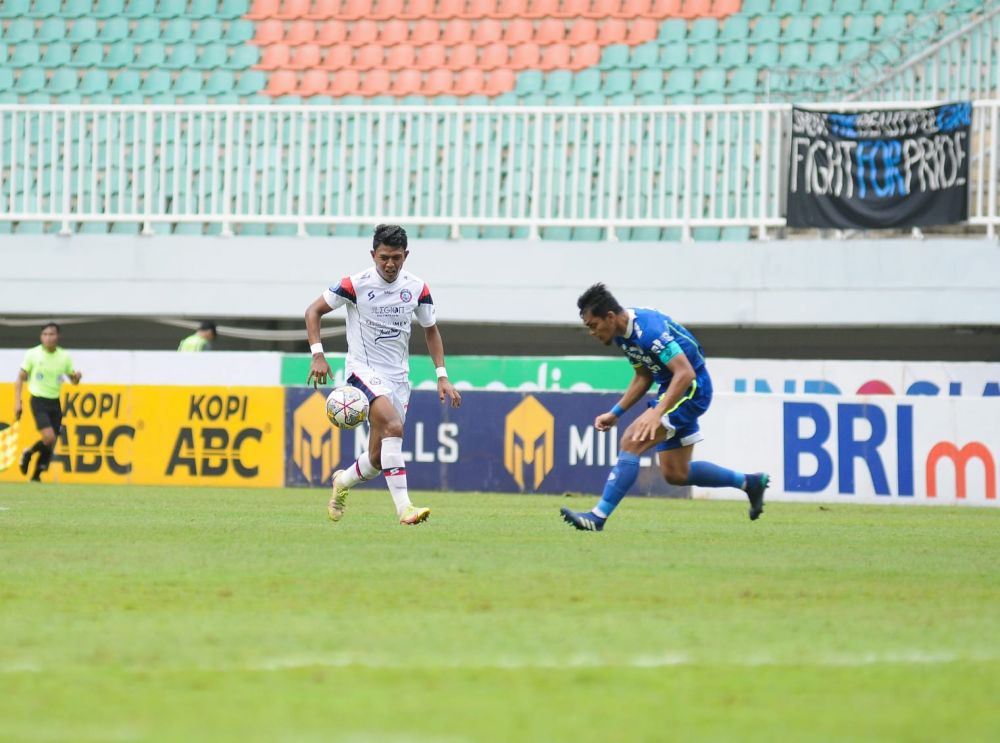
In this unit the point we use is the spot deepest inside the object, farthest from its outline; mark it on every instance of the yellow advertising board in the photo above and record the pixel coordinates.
(154, 435)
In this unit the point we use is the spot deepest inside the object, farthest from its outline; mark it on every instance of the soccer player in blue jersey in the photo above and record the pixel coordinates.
(661, 350)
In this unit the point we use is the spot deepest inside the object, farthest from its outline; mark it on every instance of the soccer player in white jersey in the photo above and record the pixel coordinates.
(381, 305)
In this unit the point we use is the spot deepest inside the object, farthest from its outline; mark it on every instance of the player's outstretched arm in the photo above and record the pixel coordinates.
(319, 369)
(435, 347)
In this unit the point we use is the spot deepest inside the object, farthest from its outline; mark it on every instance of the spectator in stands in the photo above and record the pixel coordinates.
(44, 368)
(660, 350)
(200, 340)
(381, 306)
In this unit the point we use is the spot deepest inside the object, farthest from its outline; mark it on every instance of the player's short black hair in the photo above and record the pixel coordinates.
(391, 235)
(598, 301)
(52, 325)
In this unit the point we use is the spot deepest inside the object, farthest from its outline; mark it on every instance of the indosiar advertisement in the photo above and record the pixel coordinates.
(495, 442)
(156, 435)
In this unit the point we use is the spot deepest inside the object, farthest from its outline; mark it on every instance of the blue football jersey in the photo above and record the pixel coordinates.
(652, 339)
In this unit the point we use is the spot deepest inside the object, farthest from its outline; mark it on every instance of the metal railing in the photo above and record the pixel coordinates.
(536, 168)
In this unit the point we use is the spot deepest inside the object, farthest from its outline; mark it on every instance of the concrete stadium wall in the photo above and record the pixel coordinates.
(776, 283)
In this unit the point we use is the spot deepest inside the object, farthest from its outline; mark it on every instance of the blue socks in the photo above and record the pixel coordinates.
(710, 475)
(623, 475)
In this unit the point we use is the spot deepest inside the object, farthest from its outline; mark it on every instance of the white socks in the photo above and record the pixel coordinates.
(362, 471)
(395, 472)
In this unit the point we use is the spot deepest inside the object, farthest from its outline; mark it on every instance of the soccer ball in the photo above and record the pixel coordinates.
(347, 407)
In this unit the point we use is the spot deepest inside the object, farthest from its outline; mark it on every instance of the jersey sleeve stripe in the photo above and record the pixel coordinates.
(346, 289)
(425, 296)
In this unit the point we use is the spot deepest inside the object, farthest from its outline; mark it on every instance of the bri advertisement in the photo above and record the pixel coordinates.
(852, 449)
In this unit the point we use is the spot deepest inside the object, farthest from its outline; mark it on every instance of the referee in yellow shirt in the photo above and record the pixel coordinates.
(44, 368)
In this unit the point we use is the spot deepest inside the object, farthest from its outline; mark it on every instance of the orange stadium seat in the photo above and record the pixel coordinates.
(383, 10)
(395, 31)
(510, 9)
(418, 9)
(447, 9)
(425, 31)
(323, 10)
(542, 8)
(438, 82)
(400, 57)
(331, 32)
(407, 82)
(585, 55)
(314, 82)
(353, 10)
(487, 31)
(518, 31)
(572, 9)
(525, 56)
(301, 31)
(695, 8)
(666, 8)
(726, 7)
(375, 82)
(282, 82)
(494, 55)
(462, 56)
(274, 57)
(262, 9)
(499, 81)
(290, 10)
(583, 31)
(641, 30)
(362, 32)
(555, 57)
(269, 32)
(635, 8)
(345, 82)
(612, 31)
(456, 31)
(549, 31)
(338, 57)
(469, 81)
(430, 56)
(369, 57)
(305, 57)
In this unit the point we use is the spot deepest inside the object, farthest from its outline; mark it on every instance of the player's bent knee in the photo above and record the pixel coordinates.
(675, 475)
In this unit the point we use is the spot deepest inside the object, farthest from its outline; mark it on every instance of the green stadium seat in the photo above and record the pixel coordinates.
(615, 55)
(756, 7)
(87, 55)
(94, 81)
(656, 98)
(151, 54)
(529, 81)
(113, 9)
(139, 8)
(239, 31)
(673, 31)
(19, 31)
(735, 54)
(855, 50)
(735, 28)
(765, 55)
(15, 8)
(794, 54)
(212, 56)
(558, 81)
(82, 30)
(825, 54)
(648, 81)
(6, 83)
(177, 30)
(625, 98)
(767, 28)
(710, 81)
(675, 55)
(830, 28)
(680, 81)
(124, 83)
(120, 55)
(251, 82)
(50, 30)
(617, 81)
(30, 80)
(63, 81)
(187, 83)
(243, 58)
(3, 54)
(914, 7)
(703, 29)
(892, 25)
(125, 228)
(587, 81)
(706, 234)
(167, 9)
(744, 80)
(114, 30)
(44, 8)
(799, 28)
(218, 83)
(26, 54)
(643, 55)
(861, 28)
(146, 30)
(231, 9)
(203, 9)
(787, 7)
(208, 31)
(182, 55)
(704, 55)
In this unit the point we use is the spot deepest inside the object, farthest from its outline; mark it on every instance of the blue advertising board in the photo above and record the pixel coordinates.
(505, 442)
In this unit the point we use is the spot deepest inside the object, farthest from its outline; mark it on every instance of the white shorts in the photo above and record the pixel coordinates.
(374, 384)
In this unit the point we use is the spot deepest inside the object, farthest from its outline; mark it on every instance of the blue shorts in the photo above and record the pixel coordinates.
(685, 414)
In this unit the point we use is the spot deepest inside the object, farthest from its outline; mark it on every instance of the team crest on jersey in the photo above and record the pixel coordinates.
(405, 295)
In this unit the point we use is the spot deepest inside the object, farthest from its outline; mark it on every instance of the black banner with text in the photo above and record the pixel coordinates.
(879, 169)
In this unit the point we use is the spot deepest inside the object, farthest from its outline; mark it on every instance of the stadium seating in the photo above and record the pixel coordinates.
(548, 52)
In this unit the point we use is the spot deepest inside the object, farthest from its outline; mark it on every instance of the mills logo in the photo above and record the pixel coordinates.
(315, 443)
(528, 436)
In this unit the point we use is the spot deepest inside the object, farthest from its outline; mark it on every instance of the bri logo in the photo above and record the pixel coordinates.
(812, 445)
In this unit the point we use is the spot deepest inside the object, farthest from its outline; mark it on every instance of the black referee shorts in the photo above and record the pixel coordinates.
(47, 412)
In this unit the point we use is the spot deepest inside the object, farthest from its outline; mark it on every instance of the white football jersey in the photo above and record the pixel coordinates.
(379, 318)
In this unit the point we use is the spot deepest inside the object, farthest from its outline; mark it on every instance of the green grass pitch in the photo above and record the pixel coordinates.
(170, 614)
